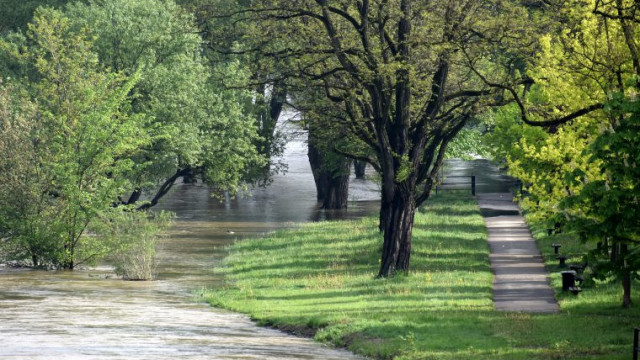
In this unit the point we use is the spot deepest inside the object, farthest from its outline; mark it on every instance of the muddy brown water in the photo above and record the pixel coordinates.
(90, 314)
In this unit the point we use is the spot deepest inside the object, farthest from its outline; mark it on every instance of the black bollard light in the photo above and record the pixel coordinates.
(473, 185)
(562, 260)
(568, 280)
(556, 247)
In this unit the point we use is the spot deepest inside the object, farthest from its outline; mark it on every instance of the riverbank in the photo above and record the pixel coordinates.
(318, 280)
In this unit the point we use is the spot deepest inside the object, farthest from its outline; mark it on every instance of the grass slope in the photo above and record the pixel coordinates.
(318, 280)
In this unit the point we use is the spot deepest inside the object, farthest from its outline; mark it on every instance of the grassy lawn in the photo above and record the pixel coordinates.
(318, 280)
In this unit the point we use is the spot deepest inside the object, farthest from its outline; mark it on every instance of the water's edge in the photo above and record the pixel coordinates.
(90, 314)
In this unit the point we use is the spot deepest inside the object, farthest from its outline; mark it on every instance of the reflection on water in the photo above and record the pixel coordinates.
(206, 225)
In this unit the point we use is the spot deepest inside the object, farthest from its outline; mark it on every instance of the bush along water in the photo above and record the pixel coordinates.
(132, 237)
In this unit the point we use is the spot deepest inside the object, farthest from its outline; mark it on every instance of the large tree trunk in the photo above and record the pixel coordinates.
(398, 224)
(398, 202)
(626, 277)
(337, 191)
(385, 206)
(270, 144)
(359, 169)
(332, 184)
(626, 288)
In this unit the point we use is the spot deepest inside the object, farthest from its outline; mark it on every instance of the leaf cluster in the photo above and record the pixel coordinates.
(75, 143)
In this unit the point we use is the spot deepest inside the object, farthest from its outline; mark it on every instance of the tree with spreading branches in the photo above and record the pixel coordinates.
(582, 171)
(200, 129)
(399, 75)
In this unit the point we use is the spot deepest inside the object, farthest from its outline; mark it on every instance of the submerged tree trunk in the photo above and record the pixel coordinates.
(331, 179)
(68, 262)
(337, 191)
(359, 168)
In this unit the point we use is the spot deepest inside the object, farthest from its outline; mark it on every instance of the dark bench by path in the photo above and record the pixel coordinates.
(521, 283)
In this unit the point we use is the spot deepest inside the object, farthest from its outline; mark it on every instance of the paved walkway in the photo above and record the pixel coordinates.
(521, 283)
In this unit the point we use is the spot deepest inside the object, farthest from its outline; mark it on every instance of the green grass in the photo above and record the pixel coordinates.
(319, 280)
(598, 296)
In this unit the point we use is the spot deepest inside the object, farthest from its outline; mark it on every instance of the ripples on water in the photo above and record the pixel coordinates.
(73, 316)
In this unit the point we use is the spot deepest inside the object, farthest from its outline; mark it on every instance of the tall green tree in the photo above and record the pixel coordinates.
(401, 73)
(77, 140)
(605, 210)
(579, 171)
(200, 128)
(24, 188)
(119, 99)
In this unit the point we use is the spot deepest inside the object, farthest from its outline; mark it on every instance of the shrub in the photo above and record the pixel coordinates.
(133, 238)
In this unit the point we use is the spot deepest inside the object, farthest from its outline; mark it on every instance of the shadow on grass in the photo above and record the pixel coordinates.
(300, 239)
(452, 228)
(382, 292)
(448, 211)
(336, 265)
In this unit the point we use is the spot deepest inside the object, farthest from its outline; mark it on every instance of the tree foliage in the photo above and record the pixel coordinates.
(104, 99)
(404, 76)
(23, 187)
(75, 142)
(578, 173)
(228, 40)
(605, 210)
(199, 128)
(15, 15)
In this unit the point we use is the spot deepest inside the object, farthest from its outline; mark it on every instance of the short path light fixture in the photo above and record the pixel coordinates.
(562, 260)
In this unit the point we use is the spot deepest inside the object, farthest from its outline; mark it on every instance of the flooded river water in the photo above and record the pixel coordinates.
(90, 314)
